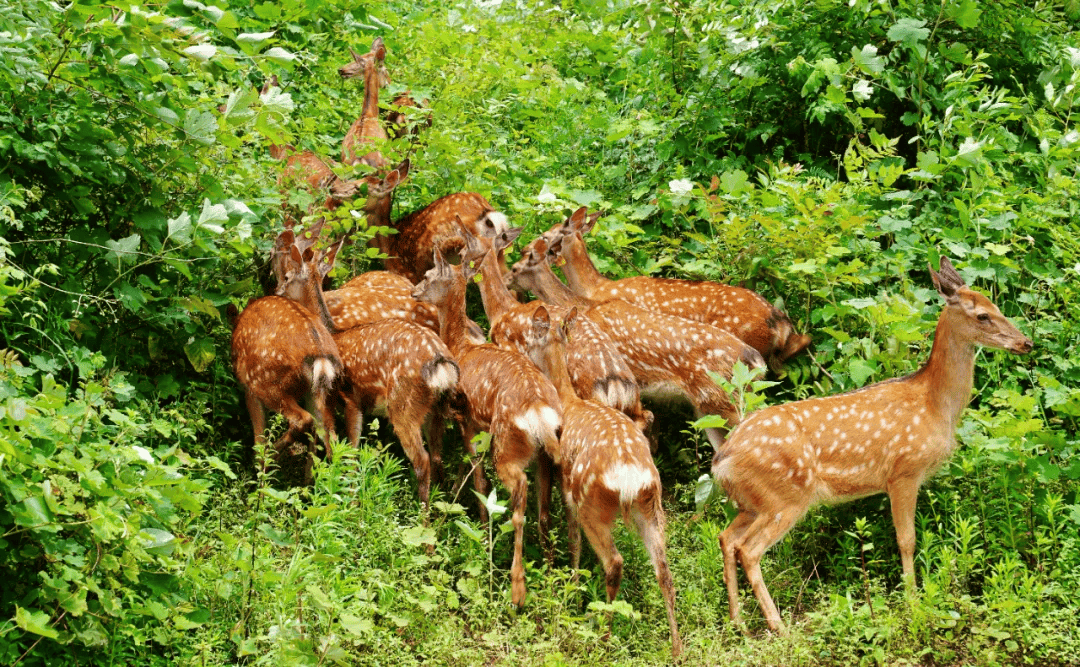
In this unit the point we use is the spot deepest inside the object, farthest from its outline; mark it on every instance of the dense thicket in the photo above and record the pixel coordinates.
(821, 153)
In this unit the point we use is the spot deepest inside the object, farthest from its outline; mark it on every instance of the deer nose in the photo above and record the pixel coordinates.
(1024, 346)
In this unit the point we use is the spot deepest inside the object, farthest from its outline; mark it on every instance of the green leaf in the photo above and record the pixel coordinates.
(709, 421)
(201, 52)
(123, 250)
(158, 542)
(201, 127)
(469, 531)
(735, 182)
(36, 622)
(280, 56)
(200, 353)
(180, 229)
(860, 370)
(966, 13)
(868, 60)
(355, 625)
(211, 216)
(418, 535)
(706, 487)
(908, 30)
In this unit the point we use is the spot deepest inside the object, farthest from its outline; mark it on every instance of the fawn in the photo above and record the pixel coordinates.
(669, 356)
(735, 309)
(606, 468)
(507, 396)
(366, 132)
(597, 368)
(406, 371)
(283, 353)
(884, 438)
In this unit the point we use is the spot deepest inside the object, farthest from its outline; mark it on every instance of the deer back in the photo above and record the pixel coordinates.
(743, 312)
(435, 226)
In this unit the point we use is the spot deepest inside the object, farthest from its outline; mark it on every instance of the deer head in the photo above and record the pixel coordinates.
(974, 316)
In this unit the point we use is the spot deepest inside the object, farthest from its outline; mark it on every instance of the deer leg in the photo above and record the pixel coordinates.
(515, 479)
(258, 421)
(354, 420)
(544, 467)
(649, 518)
(596, 520)
(406, 415)
(436, 427)
(766, 530)
(729, 540)
(903, 493)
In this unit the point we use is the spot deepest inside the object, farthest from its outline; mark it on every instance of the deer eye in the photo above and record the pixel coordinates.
(983, 317)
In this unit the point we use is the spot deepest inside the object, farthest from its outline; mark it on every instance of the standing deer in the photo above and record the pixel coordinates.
(884, 438)
(405, 371)
(741, 311)
(507, 396)
(597, 368)
(283, 353)
(606, 469)
(366, 133)
(435, 226)
(669, 356)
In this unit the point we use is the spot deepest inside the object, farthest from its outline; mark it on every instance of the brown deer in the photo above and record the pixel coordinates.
(741, 311)
(405, 371)
(884, 438)
(606, 469)
(435, 226)
(597, 368)
(283, 354)
(507, 396)
(669, 356)
(366, 133)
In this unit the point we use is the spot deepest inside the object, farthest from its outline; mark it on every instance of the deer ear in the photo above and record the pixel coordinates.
(512, 234)
(569, 320)
(355, 56)
(295, 254)
(403, 168)
(541, 322)
(589, 223)
(577, 219)
(948, 282)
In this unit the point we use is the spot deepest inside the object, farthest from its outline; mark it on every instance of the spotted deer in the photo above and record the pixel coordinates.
(884, 438)
(669, 356)
(397, 119)
(507, 396)
(606, 470)
(597, 369)
(284, 355)
(366, 133)
(740, 311)
(435, 226)
(406, 372)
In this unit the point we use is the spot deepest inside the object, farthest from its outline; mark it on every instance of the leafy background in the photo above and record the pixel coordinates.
(821, 153)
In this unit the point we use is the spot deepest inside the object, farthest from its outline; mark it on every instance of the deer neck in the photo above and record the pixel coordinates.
(452, 319)
(543, 282)
(371, 93)
(579, 269)
(311, 298)
(497, 299)
(552, 362)
(378, 215)
(949, 373)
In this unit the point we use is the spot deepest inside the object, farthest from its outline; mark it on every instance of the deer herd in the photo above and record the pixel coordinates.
(563, 379)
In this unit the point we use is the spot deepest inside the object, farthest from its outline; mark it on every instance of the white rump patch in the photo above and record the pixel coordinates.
(322, 373)
(628, 480)
(444, 378)
(539, 423)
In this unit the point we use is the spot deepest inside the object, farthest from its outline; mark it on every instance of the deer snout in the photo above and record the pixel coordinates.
(1023, 347)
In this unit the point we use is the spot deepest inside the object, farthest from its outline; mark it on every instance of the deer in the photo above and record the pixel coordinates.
(398, 121)
(606, 469)
(405, 371)
(283, 354)
(597, 368)
(435, 226)
(669, 356)
(888, 437)
(366, 132)
(743, 312)
(507, 396)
